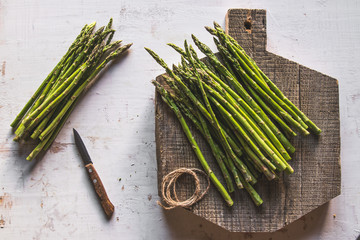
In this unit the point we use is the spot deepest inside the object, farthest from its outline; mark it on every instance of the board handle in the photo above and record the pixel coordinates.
(248, 27)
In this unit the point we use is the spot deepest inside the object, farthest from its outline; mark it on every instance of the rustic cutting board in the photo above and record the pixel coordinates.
(316, 162)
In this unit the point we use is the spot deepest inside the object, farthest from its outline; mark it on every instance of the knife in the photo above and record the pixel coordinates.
(95, 179)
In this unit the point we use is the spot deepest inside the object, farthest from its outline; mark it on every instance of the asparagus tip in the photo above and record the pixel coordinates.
(216, 25)
(195, 39)
(185, 44)
(92, 24)
(210, 30)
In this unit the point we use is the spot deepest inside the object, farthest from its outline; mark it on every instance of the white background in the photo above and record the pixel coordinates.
(53, 198)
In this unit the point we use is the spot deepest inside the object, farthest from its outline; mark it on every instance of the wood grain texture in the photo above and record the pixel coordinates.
(316, 161)
(100, 190)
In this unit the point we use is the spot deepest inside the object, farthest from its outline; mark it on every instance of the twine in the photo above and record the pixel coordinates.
(168, 188)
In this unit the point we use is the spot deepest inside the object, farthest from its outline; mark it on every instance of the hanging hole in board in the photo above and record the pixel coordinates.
(247, 25)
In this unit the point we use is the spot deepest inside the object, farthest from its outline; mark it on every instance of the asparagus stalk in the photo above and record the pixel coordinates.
(62, 91)
(262, 162)
(43, 124)
(267, 126)
(259, 83)
(282, 165)
(217, 152)
(254, 109)
(256, 134)
(87, 32)
(79, 59)
(231, 102)
(195, 147)
(35, 117)
(37, 149)
(249, 81)
(46, 143)
(185, 74)
(253, 168)
(250, 128)
(218, 32)
(267, 109)
(187, 107)
(311, 125)
(251, 63)
(272, 86)
(252, 192)
(112, 56)
(254, 120)
(54, 128)
(112, 45)
(263, 142)
(242, 132)
(45, 82)
(229, 77)
(198, 104)
(32, 99)
(228, 149)
(47, 110)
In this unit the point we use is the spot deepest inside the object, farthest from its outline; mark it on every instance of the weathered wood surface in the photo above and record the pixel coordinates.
(317, 177)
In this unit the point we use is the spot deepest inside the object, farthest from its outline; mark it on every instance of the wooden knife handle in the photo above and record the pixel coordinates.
(100, 190)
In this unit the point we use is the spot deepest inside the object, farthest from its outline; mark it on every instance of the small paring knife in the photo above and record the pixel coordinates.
(95, 179)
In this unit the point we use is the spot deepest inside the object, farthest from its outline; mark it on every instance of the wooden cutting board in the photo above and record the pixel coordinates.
(316, 161)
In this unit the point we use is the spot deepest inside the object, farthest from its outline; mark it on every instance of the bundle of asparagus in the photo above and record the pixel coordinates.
(243, 116)
(48, 109)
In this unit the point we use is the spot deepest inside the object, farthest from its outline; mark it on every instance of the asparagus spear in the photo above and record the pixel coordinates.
(263, 142)
(219, 32)
(199, 105)
(184, 101)
(262, 162)
(166, 98)
(45, 82)
(250, 62)
(256, 134)
(311, 125)
(253, 194)
(112, 56)
(228, 149)
(46, 112)
(239, 117)
(267, 126)
(231, 78)
(241, 106)
(250, 82)
(217, 152)
(259, 83)
(267, 109)
(228, 101)
(280, 165)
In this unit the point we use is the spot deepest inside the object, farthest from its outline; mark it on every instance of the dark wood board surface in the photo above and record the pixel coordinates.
(317, 176)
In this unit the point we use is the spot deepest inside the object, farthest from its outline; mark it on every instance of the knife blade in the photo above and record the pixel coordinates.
(94, 177)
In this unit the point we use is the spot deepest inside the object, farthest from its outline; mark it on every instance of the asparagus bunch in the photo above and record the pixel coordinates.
(46, 112)
(242, 114)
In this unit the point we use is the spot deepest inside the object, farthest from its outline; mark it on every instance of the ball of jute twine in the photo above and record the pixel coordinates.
(168, 188)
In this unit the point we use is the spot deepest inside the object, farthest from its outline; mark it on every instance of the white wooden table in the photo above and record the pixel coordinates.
(53, 198)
